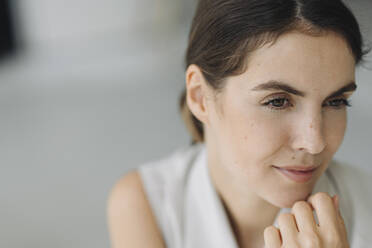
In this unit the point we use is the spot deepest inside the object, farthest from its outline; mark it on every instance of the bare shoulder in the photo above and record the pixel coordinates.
(130, 219)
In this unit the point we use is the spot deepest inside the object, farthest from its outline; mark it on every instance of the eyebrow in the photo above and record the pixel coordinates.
(277, 85)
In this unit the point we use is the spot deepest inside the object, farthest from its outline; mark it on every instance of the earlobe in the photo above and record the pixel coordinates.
(195, 93)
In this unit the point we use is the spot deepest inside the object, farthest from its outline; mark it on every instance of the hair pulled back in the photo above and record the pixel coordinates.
(224, 32)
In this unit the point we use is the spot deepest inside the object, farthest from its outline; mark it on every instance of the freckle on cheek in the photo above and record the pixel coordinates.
(293, 158)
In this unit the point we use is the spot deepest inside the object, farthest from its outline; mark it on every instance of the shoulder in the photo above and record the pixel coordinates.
(129, 215)
(147, 201)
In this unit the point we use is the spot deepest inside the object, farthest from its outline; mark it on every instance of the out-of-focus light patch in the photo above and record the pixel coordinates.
(53, 24)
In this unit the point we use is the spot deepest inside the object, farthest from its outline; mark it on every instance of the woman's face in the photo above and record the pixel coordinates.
(254, 127)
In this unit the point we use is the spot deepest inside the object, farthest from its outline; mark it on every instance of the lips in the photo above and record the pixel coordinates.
(299, 174)
(298, 168)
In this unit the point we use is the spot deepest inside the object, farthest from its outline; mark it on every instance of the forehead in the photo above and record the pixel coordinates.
(319, 63)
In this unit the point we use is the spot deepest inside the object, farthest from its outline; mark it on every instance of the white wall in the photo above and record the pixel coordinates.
(52, 23)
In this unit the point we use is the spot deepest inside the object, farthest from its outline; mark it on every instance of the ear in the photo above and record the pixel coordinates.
(196, 93)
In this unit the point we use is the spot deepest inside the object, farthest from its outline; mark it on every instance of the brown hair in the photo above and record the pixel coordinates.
(224, 32)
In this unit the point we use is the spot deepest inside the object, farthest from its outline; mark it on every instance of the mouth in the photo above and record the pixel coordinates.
(297, 174)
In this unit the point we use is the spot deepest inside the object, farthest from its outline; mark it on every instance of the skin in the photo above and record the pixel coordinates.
(245, 138)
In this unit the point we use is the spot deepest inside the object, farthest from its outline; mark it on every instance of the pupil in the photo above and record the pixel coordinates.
(278, 102)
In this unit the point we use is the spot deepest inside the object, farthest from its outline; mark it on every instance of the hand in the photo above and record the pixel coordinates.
(299, 228)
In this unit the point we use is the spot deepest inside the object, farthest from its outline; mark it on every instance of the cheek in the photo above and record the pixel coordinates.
(334, 129)
(254, 136)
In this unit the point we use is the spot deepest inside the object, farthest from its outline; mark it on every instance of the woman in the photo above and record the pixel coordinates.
(268, 84)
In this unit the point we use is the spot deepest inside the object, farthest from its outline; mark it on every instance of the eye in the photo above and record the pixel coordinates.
(282, 103)
(339, 103)
(279, 103)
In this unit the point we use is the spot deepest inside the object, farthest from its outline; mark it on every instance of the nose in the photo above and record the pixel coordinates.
(309, 135)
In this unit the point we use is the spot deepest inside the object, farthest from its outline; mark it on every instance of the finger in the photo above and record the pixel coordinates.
(272, 237)
(288, 228)
(337, 203)
(304, 216)
(324, 208)
(335, 197)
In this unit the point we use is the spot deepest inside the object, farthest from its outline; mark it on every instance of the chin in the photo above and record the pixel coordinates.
(289, 200)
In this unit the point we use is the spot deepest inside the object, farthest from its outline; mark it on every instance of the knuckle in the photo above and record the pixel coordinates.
(301, 206)
(322, 197)
(284, 218)
(270, 230)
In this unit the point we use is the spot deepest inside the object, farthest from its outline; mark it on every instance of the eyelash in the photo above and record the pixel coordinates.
(344, 102)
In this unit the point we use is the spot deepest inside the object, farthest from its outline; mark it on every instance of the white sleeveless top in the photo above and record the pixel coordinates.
(190, 213)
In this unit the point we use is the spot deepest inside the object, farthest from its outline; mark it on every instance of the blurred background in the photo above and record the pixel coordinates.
(89, 90)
